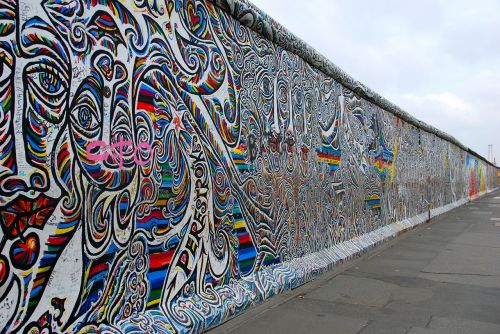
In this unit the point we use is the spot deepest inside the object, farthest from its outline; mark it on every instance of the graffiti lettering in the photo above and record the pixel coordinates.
(99, 151)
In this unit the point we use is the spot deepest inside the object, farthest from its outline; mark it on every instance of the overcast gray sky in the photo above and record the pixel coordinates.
(437, 59)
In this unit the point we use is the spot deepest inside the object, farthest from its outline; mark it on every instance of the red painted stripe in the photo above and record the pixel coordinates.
(56, 241)
(145, 106)
(154, 214)
(160, 260)
(245, 238)
(98, 268)
(329, 156)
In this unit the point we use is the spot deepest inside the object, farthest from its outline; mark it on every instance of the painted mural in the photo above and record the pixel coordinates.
(476, 173)
(163, 166)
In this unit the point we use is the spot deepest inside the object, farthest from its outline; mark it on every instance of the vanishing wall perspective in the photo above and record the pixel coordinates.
(163, 166)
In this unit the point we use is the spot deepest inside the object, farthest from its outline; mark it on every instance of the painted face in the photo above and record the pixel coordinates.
(35, 97)
(116, 124)
(68, 139)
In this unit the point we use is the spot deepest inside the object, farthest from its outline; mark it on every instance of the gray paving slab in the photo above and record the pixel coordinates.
(288, 320)
(462, 326)
(367, 291)
(384, 327)
(463, 259)
(483, 281)
(362, 312)
(417, 330)
(485, 228)
(442, 277)
(478, 239)
(481, 212)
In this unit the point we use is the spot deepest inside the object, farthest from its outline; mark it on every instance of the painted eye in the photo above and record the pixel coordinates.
(49, 82)
(47, 90)
(86, 110)
(84, 118)
(266, 87)
(46, 81)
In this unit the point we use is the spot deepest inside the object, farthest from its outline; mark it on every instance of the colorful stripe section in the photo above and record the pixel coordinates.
(246, 249)
(240, 158)
(374, 202)
(159, 262)
(331, 156)
(383, 162)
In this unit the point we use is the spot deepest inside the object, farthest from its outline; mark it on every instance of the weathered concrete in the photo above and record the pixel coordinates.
(443, 277)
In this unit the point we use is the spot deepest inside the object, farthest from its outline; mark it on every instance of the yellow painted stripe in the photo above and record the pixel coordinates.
(65, 230)
(239, 224)
(43, 269)
(161, 202)
(330, 161)
(154, 302)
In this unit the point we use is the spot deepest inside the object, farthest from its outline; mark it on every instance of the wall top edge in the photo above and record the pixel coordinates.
(257, 20)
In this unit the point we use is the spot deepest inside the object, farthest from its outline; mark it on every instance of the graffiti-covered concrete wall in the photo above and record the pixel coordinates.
(166, 164)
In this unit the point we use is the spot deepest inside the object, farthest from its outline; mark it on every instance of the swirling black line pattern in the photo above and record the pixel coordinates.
(167, 164)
